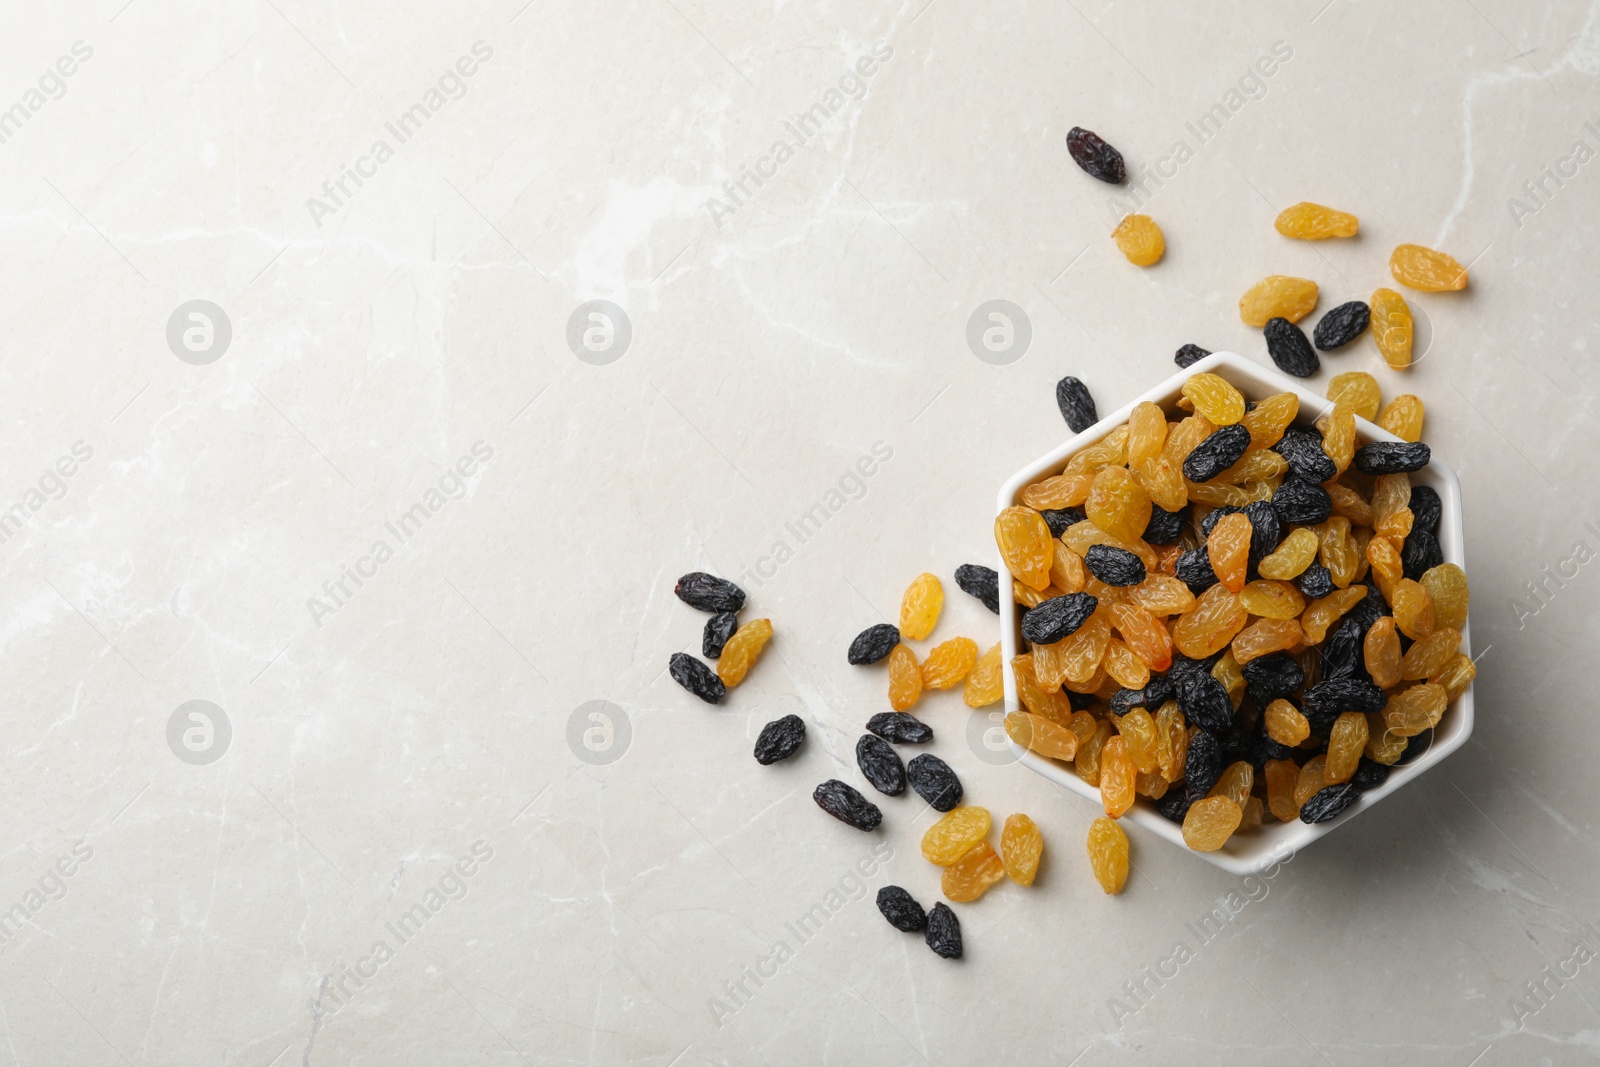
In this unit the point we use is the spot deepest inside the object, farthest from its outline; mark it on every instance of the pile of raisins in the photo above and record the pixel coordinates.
(1247, 618)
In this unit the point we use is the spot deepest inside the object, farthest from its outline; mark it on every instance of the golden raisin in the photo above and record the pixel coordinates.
(1392, 328)
(1129, 670)
(1235, 782)
(1216, 617)
(1311, 780)
(1052, 705)
(1143, 634)
(1118, 504)
(1457, 675)
(1339, 437)
(1428, 657)
(1228, 549)
(1228, 673)
(1273, 599)
(1358, 391)
(1210, 822)
(1025, 545)
(1138, 732)
(1268, 419)
(1172, 741)
(1416, 709)
(1345, 744)
(1447, 585)
(742, 650)
(1349, 503)
(1140, 240)
(905, 677)
(1380, 651)
(1383, 746)
(1147, 433)
(1117, 774)
(1021, 845)
(1422, 268)
(1163, 482)
(949, 662)
(1278, 297)
(985, 684)
(1266, 636)
(1338, 552)
(1088, 761)
(1285, 724)
(955, 834)
(1306, 221)
(1038, 734)
(1403, 417)
(1067, 572)
(1320, 616)
(1108, 854)
(1161, 594)
(1216, 399)
(1292, 556)
(1084, 649)
(1254, 813)
(971, 876)
(1413, 609)
(1281, 776)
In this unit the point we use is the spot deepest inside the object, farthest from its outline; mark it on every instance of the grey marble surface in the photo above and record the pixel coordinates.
(374, 510)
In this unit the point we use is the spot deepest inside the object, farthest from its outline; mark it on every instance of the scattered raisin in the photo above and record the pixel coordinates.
(1139, 238)
(982, 582)
(901, 909)
(1342, 325)
(1278, 296)
(709, 593)
(900, 728)
(780, 739)
(847, 805)
(1306, 221)
(1221, 450)
(944, 932)
(1422, 268)
(874, 643)
(920, 606)
(1021, 846)
(1189, 355)
(880, 765)
(1095, 156)
(934, 782)
(718, 629)
(742, 651)
(697, 678)
(1108, 854)
(1289, 349)
(954, 835)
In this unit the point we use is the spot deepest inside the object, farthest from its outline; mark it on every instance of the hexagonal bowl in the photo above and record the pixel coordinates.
(1274, 841)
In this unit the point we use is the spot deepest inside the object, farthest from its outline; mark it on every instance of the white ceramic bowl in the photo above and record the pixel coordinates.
(1274, 841)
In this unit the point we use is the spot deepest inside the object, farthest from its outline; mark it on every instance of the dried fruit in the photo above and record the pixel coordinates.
(1228, 548)
(1392, 328)
(1328, 803)
(1403, 417)
(954, 835)
(1457, 675)
(1138, 731)
(1268, 420)
(1188, 355)
(1235, 783)
(1278, 296)
(1114, 566)
(1216, 618)
(920, 606)
(1281, 775)
(1356, 390)
(1345, 744)
(1316, 582)
(873, 643)
(1108, 854)
(971, 876)
(696, 677)
(901, 909)
(1303, 450)
(1392, 457)
(986, 683)
(1413, 609)
(1088, 762)
(1117, 774)
(934, 782)
(1302, 503)
(780, 739)
(1341, 326)
(900, 728)
(944, 932)
(1219, 451)
(1214, 397)
(1416, 709)
(718, 629)
(1021, 847)
(1038, 734)
(1266, 636)
(1147, 433)
(1095, 156)
(1310, 780)
(1127, 669)
(1140, 239)
(1165, 527)
(1381, 653)
(1272, 599)
(1118, 504)
(1324, 702)
(1058, 617)
(982, 582)
(1289, 349)
(847, 805)
(1285, 724)
(1210, 822)
(709, 593)
(1025, 546)
(1446, 585)
(1416, 267)
(1202, 763)
(1428, 657)
(949, 662)
(880, 765)
(905, 678)
(1306, 221)
(1076, 405)
(742, 651)
(1273, 677)
(1339, 436)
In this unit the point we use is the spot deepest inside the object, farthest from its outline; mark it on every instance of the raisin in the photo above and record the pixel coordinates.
(1173, 807)
(1339, 436)
(1264, 637)
(1138, 730)
(1098, 159)
(880, 765)
(1392, 328)
(1087, 763)
(1328, 803)
(986, 683)
(1413, 609)
(1328, 699)
(1117, 774)
(1416, 267)
(1426, 508)
(905, 678)
(949, 662)
(973, 875)
(1204, 702)
(873, 643)
(1271, 599)
(1285, 724)
(1139, 238)
(1162, 595)
(1217, 616)
(934, 782)
(709, 593)
(1058, 617)
(1341, 651)
(900, 728)
(1117, 504)
(1188, 355)
(920, 606)
(1392, 457)
(742, 651)
(1209, 523)
(1228, 548)
(1156, 693)
(1446, 583)
(901, 909)
(1210, 822)
(1369, 775)
(1420, 554)
(1076, 405)
(1165, 527)
(944, 932)
(1114, 566)
(1021, 846)
(1289, 349)
(1108, 854)
(696, 677)
(1038, 734)
(1278, 296)
(1215, 398)
(1381, 653)
(847, 805)
(1273, 677)
(780, 739)
(1235, 783)
(1281, 775)
(1057, 520)
(1193, 569)
(1025, 546)
(1307, 460)
(1403, 416)
(1341, 325)
(1221, 450)
(1291, 558)
(1315, 582)
(1428, 657)
(1345, 743)
(1268, 420)
(954, 835)
(718, 629)
(1306, 221)
(982, 582)
(1358, 391)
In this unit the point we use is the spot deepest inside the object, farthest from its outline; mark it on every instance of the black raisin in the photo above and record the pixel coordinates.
(1216, 515)
(873, 643)
(1059, 519)
(1369, 609)
(900, 728)
(1342, 325)
(780, 739)
(1182, 665)
(1224, 448)
(1164, 527)
(1266, 530)
(1113, 565)
(1392, 457)
(901, 909)
(1266, 748)
(1289, 349)
(719, 628)
(974, 579)
(1342, 655)
(1416, 746)
(944, 932)
(1271, 677)
(1204, 701)
(1420, 553)
(1202, 765)
(1096, 157)
(708, 592)
(1315, 582)
(1076, 405)
(1329, 803)
(1189, 355)
(1331, 697)
(1156, 692)
(1058, 617)
(1079, 701)
(1370, 774)
(880, 765)
(1301, 503)
(1175, 805)
(1193, 568)
(1302, 449)
(696, 677)
(847, 805)
(1426, 509)
(934, 782)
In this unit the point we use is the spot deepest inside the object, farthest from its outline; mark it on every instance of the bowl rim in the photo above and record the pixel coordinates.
(1276, 841)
